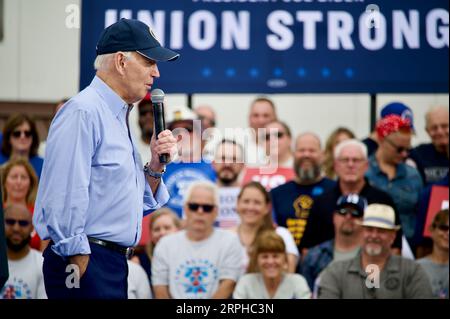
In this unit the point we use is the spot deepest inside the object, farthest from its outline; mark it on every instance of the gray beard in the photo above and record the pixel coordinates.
(308, 175)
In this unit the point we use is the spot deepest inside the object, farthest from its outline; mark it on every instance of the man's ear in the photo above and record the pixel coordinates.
(120, 61)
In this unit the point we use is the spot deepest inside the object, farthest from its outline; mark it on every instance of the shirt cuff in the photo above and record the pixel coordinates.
(76, 245)
(161, 197)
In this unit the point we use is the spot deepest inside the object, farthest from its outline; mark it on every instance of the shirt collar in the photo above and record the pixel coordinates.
(112, 99)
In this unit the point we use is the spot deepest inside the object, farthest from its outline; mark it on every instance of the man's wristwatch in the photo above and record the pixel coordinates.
(149, 172)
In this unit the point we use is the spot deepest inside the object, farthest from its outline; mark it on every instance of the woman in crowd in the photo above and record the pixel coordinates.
(19, 186)
(338, 135)
(21, 140)
(436, 264)
(163, 222)
(267, 277)
(255, 211)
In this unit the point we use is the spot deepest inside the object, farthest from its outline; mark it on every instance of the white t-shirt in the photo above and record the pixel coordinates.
(138, 284)
(192, 270)
(26, 280)
(292, 286)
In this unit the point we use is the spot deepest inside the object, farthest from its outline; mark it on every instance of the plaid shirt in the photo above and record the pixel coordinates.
(317, 258)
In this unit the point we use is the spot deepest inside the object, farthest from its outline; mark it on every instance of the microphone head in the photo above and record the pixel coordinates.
(157, 96)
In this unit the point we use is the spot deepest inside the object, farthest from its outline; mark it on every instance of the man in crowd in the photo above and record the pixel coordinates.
(388, 171)
(375, 273)
(347, 240)
(145, 121)
(262, 112)
(228, 164)
(189, 166)
(26, 280)
(199, 262)
(350, 165)
(293, 201)
(432, 158)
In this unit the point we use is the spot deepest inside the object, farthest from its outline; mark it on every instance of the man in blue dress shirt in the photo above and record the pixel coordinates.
(94, 192)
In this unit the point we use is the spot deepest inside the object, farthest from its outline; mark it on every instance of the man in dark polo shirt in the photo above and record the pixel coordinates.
(350, 165)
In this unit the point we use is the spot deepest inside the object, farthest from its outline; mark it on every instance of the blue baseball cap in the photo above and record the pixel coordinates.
(133, 35)
(400, 109)
(353, 200)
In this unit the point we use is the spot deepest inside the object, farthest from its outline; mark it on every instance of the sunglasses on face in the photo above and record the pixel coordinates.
(278, 135)
(12, 222)
(442, 227)
(398, 149)
(205, 207)
(18, 134)
(351, 211)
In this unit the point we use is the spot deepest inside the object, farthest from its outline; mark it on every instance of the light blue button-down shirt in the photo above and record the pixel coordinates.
(92, 182)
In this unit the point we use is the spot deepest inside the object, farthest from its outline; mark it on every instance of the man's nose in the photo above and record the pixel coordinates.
(155, 71)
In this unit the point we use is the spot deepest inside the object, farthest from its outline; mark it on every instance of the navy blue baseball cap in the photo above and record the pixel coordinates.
(400, 109)
(133, 35)
(353, 200)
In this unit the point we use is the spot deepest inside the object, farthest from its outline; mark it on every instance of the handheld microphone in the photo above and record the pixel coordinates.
(159, 123)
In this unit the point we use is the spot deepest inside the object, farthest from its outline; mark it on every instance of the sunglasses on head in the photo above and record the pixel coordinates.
(442, 227)
(278, 135)
(207, 208)
(12, 222)
(353, 212)
(19, 133)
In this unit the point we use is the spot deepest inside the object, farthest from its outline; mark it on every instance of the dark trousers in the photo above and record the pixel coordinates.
(105, 277)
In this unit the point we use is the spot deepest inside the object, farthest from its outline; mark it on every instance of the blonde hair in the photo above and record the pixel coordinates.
(165, 211)
(6, 169)
(330, 155)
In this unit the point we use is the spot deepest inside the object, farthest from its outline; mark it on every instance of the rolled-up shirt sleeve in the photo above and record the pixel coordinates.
(151, 202)
(63, 196)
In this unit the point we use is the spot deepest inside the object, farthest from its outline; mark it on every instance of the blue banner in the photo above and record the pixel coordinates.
(287, 46)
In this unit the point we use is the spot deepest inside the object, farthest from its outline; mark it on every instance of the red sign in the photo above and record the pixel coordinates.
(438, 201)
(269, 181)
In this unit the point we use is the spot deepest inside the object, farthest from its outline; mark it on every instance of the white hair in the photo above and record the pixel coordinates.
(434, 109)
(350, 142)
(102, 60)
(205, 185)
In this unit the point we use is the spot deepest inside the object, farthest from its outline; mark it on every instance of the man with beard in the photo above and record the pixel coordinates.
(375, 273)
(293, 201)
(228, 164)
(349, 210)
(350, 164)
(26, 280)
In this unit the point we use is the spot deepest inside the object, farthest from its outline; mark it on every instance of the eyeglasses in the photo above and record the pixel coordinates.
(442, 227)
(12, 222)
(399, 149)
(352, 212)
(207, 208)
(347, 160)
(278, 135)
(18, 134)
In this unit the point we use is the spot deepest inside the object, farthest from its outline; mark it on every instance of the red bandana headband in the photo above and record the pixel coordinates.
(391, 124)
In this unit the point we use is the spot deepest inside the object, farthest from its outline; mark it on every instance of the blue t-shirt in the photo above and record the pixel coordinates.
(292, 203)
(179, 176)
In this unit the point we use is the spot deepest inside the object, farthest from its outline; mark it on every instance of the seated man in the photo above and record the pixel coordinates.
(375, 273)
(347, 240)
(200, 262)
(26, 280)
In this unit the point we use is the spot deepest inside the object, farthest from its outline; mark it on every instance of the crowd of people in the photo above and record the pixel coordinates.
(265, 214)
